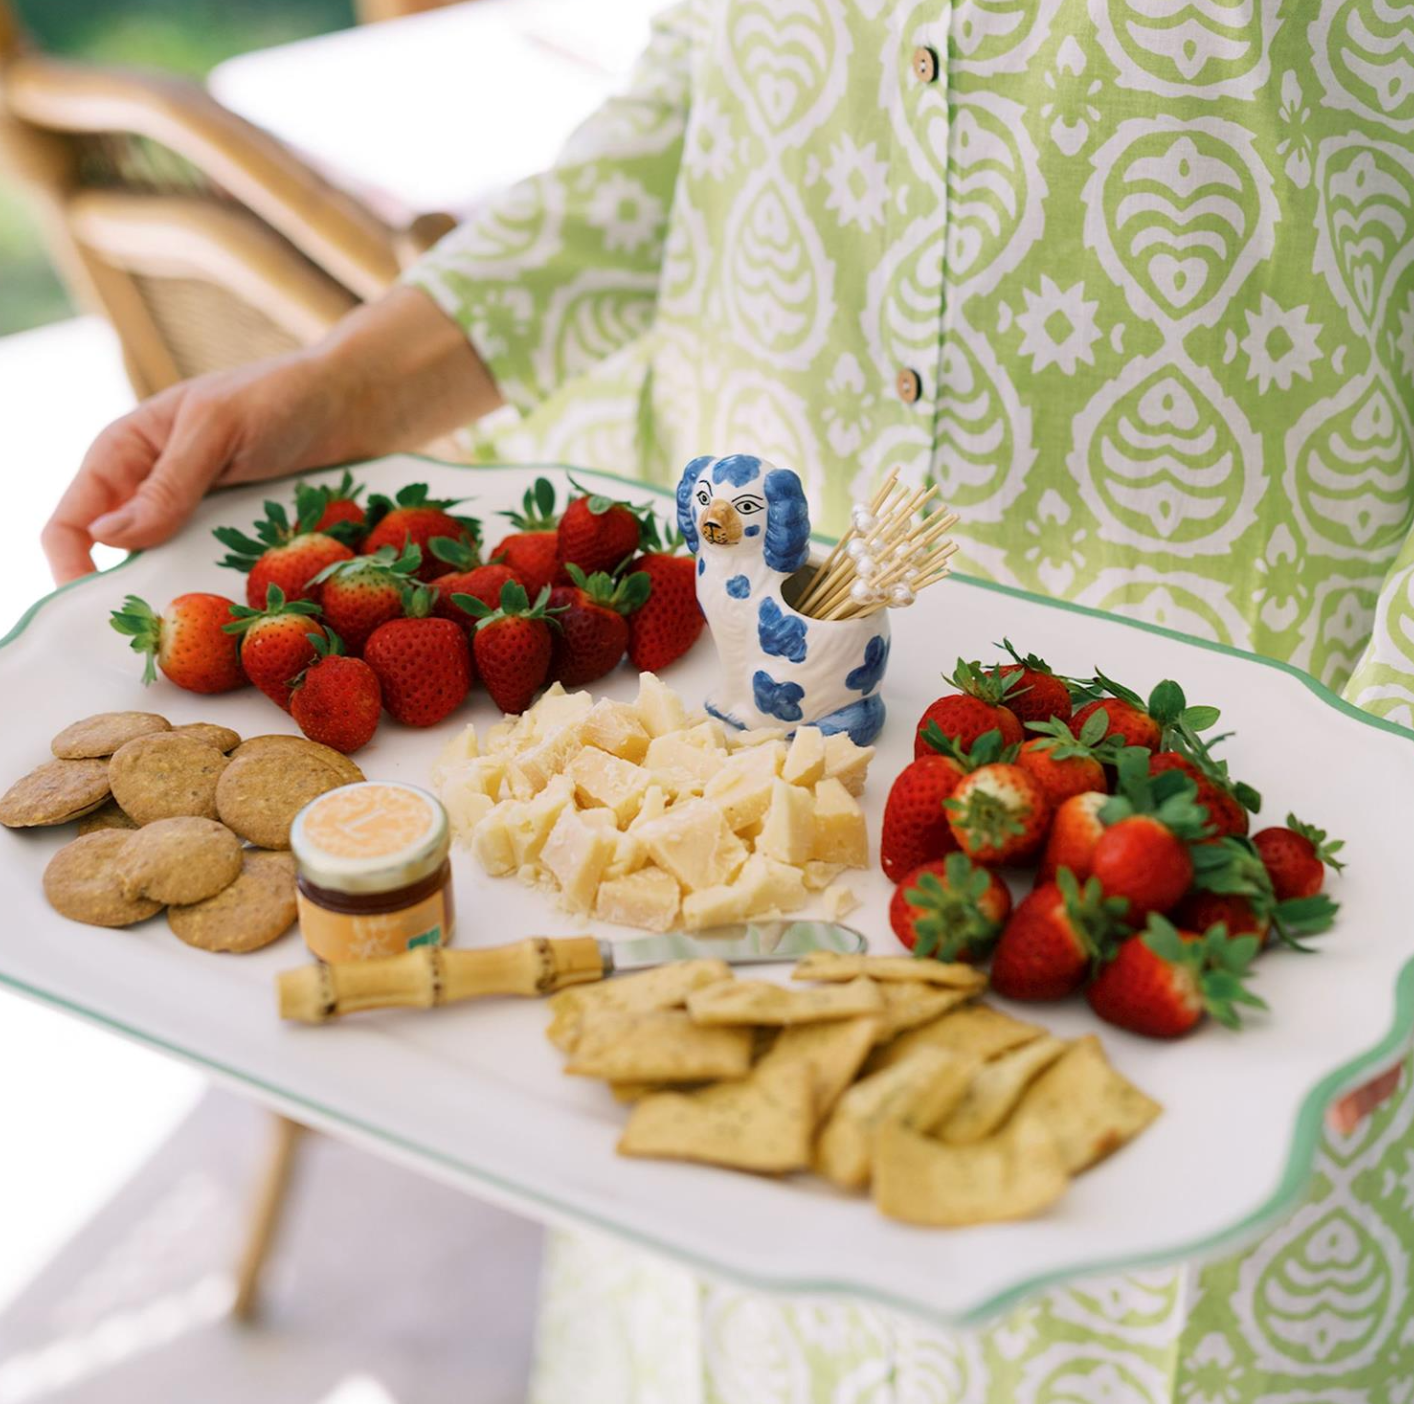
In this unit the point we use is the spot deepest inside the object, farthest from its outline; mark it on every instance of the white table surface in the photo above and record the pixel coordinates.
(439, 110)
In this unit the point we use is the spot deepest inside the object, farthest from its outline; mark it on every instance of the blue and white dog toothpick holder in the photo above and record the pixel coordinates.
(748, 524)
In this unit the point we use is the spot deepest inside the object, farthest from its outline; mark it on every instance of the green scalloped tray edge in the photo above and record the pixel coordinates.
(1285, 1197)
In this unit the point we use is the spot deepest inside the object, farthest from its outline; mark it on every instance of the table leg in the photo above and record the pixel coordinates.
(272, 1194)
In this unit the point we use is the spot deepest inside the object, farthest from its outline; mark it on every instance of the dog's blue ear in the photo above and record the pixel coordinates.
(687, 518)
(787, 522)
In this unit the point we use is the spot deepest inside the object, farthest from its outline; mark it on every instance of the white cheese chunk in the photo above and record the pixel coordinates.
(648, 898)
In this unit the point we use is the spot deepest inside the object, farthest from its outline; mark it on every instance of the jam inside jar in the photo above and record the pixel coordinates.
(374, 876)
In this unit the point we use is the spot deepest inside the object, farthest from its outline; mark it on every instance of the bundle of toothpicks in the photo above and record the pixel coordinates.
(894, 548)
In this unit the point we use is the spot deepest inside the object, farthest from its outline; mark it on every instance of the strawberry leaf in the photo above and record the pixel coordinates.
(455, 553)
(1325, 849)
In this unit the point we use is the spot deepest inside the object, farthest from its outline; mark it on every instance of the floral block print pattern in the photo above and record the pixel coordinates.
(1133, 282)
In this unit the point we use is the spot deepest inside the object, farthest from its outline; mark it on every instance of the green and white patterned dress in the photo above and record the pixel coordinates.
(1133, 280)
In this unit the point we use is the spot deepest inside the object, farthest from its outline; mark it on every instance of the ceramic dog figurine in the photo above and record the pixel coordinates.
(748, 524)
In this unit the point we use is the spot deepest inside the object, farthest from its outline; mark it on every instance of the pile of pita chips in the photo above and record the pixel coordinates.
(884, 1074)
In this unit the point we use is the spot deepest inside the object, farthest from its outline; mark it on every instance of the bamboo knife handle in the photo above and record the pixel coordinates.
(428, 976)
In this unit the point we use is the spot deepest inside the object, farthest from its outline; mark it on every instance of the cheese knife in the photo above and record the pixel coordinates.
(429, 975)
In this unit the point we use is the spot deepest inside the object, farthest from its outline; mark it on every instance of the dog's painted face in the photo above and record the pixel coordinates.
(741, 501)
(727, 520)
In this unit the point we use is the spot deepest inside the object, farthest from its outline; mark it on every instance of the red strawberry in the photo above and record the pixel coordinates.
(466, 577)
(1231, 884)
(342, 515)
(1064, 765)
(413, 518)
(532, 550)
(1040, 694)
(285, 554)
(598, 532)
(512, 645)
(423, 664)
(1226, 814)
(1162, 982)
(977, 708)
(1143, 855)
(915, 823)
(1075, 830)
(1054, 938)
(277, 642)
(670, 620)
(189, 643)
(998, 814)
(593, 633)
(950, 909)
(1296, 857)
(337, 700)
(359, 594)
(1129, 724)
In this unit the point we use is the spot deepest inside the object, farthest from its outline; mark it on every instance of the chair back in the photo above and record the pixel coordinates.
(204, 240)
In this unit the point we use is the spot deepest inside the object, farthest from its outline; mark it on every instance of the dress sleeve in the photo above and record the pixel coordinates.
(561, 270)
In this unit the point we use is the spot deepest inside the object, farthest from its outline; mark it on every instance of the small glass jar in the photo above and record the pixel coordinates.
(374, 878)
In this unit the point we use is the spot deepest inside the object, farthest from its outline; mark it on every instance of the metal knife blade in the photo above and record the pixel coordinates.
(745, 943)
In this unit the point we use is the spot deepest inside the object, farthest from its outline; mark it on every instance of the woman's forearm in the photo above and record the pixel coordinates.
(396, 374)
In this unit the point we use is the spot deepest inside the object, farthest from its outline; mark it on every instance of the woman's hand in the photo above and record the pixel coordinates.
(393, 375)
(146, 472)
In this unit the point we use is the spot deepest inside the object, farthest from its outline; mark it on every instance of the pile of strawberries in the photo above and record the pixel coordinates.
(1149, 894)
(352, 610)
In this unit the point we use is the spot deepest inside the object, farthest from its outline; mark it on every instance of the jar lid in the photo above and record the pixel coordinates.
(375, 836)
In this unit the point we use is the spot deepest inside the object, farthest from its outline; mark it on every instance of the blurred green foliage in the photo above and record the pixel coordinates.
(184, 36)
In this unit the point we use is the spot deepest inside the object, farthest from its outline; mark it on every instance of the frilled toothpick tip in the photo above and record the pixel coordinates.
(894, 548)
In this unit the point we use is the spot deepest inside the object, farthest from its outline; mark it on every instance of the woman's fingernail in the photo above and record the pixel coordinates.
(112, 523)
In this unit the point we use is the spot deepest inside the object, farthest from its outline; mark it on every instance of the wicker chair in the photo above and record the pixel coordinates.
(202, 239)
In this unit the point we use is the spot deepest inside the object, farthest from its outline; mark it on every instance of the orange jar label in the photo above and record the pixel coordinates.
(358, 936)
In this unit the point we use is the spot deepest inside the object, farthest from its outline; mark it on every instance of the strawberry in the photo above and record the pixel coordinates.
(1143, 855)
(277, 642)
(337, 700)
(593, 633)
(670, 620)
(359, 594)
(998, 814)
(1231, 883)
(1296, 857)
(1162, 982)
(1226, 812)
(915, 823)
(1165, 722)
(342, 515)
(466, 577)
(413, 518)
(423, 663)
(1040, 694)
(532, 550)
(1054, 938)
(977, 708)
(599, 533)
(1075, 830)
(1130, 725)
(950, 909)
(189, 643)
(1064, 765)
(282, 553)
(512, 645)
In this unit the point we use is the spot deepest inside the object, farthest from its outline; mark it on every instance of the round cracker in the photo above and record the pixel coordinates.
(110, 815)
(262, 791)
(54, 793)
(104, 732)
(222, 737)
(180, 861)
(255, 745)
(165, 775)
(256, 909)
(83, 882)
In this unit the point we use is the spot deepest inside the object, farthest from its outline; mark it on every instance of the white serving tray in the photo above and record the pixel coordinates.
(475, 1096)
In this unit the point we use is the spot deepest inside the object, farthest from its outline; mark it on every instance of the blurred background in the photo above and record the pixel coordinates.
(187, 185)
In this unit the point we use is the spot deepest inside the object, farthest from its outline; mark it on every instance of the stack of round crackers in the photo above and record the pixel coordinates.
(189, 818)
